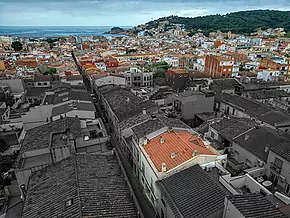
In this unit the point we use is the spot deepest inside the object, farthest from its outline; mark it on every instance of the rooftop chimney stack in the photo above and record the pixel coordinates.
(164, 169)
(267, 148)
(145, 141)
(195, 153)
(144, 111)
(161, 140)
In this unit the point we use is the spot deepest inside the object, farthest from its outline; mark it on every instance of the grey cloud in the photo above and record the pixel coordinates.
(129, 12)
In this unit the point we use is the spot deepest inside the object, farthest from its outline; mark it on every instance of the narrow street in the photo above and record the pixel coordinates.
(145, 206)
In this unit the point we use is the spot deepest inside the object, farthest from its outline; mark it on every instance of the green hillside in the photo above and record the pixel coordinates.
(237, 22)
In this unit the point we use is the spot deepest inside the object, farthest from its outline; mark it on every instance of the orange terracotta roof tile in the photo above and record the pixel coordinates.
(179, 142)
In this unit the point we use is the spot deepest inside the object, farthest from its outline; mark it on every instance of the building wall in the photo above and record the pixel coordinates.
(231, 211)
(243, 155)
(72, 82)
(268, 75)
(97, 145)
(215, 68)
(176, 80)
(60, 153)
(36, 116)
(284, 171)
(108, 80)
(42, 84)
(139, 78)
(199, 105)
(168, 213)
(2, 65)
(149, 176)
(90, 115)
(232, 111)
(214, 134)
(16, 85)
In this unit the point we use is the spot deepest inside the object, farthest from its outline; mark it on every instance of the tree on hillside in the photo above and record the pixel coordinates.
(243, 22)
(50, 71)
(17, 46)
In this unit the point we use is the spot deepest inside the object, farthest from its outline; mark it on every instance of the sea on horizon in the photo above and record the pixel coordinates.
(55, 31)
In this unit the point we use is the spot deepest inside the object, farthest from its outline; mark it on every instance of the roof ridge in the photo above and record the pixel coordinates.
(181, 138)
(187, 143)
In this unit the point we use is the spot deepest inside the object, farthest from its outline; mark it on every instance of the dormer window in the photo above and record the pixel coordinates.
(68, 203)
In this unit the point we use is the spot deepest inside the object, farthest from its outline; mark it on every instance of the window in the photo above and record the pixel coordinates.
(287, 189)
(248, 162)
(212, 134)
(162, 214)
(225, 69)
(143, 168)
(152, 187)
(62, 94)
(278, 163)
(45, 84)
(39, 84)
(128, 78)
(234, 110)
(163, 202)
(93, 134)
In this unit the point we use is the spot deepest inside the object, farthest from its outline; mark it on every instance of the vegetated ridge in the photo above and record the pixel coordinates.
(242, 22)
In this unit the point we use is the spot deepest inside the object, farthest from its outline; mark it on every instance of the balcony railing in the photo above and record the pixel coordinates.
(275, 168)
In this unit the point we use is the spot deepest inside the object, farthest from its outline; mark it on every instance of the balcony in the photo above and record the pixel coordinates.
(275, 168)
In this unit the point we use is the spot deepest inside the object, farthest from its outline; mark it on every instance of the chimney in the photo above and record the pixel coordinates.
(195, 153)
(267, 148)
(247, 137)
(161, 140)
(164, 169)
(145, 141)
(144, 111)
(173, 155)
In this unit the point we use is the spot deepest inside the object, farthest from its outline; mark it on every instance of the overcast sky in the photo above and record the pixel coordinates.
(118, 12)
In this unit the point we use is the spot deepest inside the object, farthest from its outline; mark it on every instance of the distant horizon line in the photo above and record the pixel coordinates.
(61, 26)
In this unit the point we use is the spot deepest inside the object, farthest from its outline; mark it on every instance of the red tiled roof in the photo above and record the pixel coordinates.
(73, 77)
(182, 143)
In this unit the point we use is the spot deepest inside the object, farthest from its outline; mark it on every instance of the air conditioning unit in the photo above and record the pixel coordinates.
(261, 163)
(282, 178)
(208, 168)
(278, 170)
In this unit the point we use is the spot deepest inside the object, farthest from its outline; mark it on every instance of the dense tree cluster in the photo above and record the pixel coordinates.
(17, 46)
(50, 71)
(243, 22)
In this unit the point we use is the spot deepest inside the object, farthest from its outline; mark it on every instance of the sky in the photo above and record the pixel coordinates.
(118, 12)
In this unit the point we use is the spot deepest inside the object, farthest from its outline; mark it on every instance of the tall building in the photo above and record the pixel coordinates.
(218, 66)
(137, 78)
